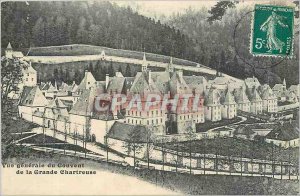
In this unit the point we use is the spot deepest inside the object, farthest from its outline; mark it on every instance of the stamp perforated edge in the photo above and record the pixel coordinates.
(291, 55)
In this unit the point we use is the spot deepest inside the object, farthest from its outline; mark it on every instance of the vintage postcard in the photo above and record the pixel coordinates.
(150, 97)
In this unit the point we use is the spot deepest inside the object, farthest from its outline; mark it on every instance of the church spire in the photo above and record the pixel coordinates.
(284, 82)
(9, 46)
(144, 64)
(170, 66)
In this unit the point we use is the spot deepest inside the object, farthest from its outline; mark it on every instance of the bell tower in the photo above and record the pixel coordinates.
(170, 66)
(144, 64)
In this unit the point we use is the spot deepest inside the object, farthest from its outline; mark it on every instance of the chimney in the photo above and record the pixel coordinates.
(73, 82)
(106, 81)
(85, 73)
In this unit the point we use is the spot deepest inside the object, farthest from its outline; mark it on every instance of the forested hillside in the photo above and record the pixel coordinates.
(96, 23)
(215, 42)
(188, 36)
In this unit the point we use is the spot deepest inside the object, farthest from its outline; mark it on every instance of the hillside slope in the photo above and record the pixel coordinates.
(70, 51)
(216, 44)
(97, 23)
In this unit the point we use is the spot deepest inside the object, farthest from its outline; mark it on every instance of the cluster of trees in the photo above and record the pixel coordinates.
(11, 76)
(213, 32)
(99, 69)
(204, 36)
(96, 23)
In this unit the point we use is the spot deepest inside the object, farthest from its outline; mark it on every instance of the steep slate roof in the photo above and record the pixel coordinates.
(73, 87)
(32, 96)
(143, 84)
(128, 82)
(85, 104)
(63, 87)
(45, 86)
(196, 83)
(228, 99)
(278, 87)
(285, 132)
(295, 89)
(52, 88)
(27, 68)
(9, 46)
(116, 84)
(267, 93)
(87, 81)
(56, 103)
(241, 96)
(178, 85)
(212, 98)
(125, 132)
(161, 80)
(253, 95)
(250, 82)
(100, 86)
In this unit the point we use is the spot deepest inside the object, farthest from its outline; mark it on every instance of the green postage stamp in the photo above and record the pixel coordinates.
(272, 31)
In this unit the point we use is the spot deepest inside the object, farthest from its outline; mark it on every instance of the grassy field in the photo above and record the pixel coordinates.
(80, 49)
(17, 126)
(20, 136)
(66, 147)
(178, 182)
(40, 139)
(202, 127)
(238, 147)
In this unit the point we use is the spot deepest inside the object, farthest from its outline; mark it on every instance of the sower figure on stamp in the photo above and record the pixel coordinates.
(273, 42)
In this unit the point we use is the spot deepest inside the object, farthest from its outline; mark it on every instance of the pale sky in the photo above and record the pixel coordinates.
(152, 8)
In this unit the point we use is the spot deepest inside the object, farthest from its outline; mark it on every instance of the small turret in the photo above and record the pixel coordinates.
(8, 51)
(170, 67)
(9, 46)
(102, 55)
(284, 83)
(144, 64)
